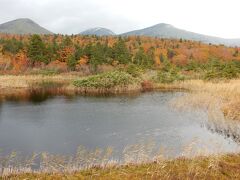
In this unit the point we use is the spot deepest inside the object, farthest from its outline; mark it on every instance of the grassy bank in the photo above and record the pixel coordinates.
(26, 81)
(22, 86)
(214, 167)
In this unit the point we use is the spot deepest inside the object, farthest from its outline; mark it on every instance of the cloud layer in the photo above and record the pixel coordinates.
(215, 17)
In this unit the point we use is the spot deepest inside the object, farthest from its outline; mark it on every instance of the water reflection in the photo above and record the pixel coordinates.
(59, 124)
(39, 95)
(228, 129)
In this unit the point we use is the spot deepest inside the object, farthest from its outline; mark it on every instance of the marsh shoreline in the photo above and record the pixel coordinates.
(202, 94)
(225, 94)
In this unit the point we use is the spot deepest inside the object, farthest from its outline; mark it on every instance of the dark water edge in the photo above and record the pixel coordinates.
(39, 95)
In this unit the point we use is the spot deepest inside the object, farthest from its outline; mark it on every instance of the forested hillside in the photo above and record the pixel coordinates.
(22, 53)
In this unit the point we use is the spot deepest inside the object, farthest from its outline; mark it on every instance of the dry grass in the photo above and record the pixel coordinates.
(223, 95)
(214, 167)
(20, 87)
(21, 81)
(91, 163)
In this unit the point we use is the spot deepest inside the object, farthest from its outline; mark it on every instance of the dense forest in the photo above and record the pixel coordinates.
(62, 53)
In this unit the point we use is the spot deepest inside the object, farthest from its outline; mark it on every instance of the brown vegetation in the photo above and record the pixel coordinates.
(214, 167)
(224, 95)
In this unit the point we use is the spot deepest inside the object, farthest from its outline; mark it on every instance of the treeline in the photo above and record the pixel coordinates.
(76, 50)
(96, 53)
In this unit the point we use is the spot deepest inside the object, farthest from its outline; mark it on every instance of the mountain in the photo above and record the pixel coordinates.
(98, 31)
(163, 30)
(22, 26)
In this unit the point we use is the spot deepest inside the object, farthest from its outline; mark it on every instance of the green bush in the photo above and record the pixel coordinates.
(221, 70)
(106, 80)
(168, 73)
(12, 45)
(193, 65)
(237, 65)
(71, 62)
(134, 70)
(168, 76)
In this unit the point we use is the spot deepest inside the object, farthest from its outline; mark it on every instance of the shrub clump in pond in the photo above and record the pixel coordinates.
(106, 80)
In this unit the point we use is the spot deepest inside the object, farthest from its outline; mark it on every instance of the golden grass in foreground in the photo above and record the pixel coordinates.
(214, 167)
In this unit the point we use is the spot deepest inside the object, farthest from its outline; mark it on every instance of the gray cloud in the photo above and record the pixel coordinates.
(61, 16)
(74, 16)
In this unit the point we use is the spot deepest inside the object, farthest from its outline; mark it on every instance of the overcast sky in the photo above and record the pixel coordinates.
(211, 17)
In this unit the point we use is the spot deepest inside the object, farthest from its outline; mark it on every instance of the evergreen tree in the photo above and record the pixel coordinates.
(140, 57)
(120, 52)
(55, 46)
(37, 50)
(78, 52)
(97, 55)
(51, 53)
(67, 42)
(88, 49)
(12, 46)
(144, 59)
(72, 62)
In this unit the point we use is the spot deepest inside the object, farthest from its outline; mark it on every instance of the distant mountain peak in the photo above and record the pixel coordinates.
(96, 28)
(24, 20)
(99, 31)
(163, 30)
(163, 25)
(22, 26)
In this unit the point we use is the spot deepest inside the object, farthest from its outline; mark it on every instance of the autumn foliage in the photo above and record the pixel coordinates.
(20, 53)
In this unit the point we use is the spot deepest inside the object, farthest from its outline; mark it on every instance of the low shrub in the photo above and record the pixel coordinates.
(134, 70)
(221, 70)
(168, 74)
(168, 77)
(193, 65)
(106, 80)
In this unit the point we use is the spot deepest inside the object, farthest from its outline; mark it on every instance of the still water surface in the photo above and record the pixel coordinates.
(60, 125)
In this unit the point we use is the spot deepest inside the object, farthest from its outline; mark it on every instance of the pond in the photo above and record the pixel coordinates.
(60, 124)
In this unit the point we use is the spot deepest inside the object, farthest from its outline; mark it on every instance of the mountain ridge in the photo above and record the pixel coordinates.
(23, 26)
(164, 30)
(99, 31)
(161, 30)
